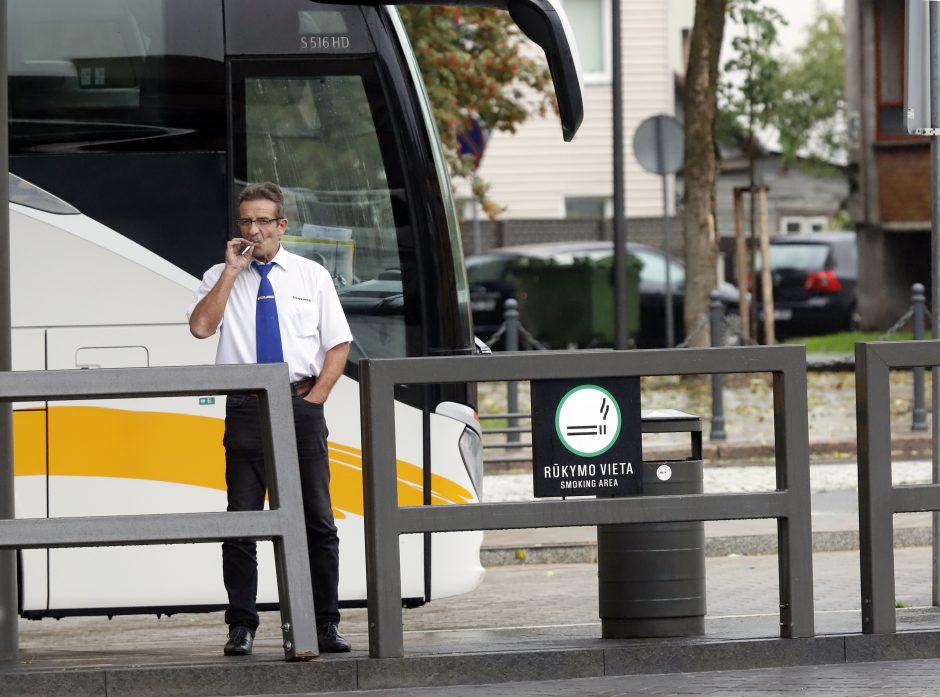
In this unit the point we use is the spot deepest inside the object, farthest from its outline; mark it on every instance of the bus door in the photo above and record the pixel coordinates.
(320, 128)
(322, 103)
(333, 118)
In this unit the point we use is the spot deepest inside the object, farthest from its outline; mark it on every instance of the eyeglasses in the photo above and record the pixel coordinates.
(246, 223)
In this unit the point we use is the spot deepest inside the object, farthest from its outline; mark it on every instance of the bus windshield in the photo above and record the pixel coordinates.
(316, 135)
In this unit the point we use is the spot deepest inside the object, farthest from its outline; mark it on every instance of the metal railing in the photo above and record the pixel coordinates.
(511, 432)
(721, 329)
(385, 521)
(878, 499)
(283, 524)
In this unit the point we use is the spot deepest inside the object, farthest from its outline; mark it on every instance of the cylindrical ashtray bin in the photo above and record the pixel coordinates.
(652, 575)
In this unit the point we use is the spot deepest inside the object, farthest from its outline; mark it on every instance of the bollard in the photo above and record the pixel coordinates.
(511, 315)
(918, 302)
(716, 316)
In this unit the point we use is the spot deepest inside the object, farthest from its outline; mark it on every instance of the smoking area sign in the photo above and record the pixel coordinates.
(586, 437)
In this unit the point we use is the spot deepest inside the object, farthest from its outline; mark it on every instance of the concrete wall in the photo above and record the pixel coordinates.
(505, 233)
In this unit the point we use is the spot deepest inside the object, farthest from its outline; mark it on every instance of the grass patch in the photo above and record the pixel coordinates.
(844, 342)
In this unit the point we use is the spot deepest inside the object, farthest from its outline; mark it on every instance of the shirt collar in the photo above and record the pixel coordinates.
(282, 258)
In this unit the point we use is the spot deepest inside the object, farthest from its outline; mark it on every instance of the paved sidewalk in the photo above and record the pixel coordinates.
(524, 623)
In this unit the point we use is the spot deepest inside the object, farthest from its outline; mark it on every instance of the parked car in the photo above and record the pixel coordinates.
(815, 283)
(494, 276)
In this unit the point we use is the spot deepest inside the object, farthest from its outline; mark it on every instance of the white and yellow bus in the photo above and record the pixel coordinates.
(133, 125)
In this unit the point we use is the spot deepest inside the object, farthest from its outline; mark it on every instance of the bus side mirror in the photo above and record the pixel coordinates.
(545, 23)
(547, 26)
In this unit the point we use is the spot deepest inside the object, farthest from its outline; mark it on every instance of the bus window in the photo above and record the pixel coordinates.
(320, 139)
(128, 75)
(26, 194)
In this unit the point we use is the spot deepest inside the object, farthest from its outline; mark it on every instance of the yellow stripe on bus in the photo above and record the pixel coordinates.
(181, 449)
(29, 442)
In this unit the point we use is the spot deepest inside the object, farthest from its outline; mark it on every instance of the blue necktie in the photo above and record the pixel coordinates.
(267, 332)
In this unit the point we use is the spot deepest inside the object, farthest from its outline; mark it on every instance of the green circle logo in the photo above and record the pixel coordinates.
(587, 420)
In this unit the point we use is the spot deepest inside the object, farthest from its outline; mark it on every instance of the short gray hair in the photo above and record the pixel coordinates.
(264, 190)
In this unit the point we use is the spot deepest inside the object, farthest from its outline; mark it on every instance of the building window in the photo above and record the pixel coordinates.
(889, 69)
(801, 224)
(590, 23)
(588, 207)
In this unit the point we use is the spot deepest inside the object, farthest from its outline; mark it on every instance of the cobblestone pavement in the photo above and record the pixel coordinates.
(748, 405)
(732, 479)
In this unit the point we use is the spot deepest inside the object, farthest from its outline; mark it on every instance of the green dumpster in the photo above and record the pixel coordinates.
(572, 304)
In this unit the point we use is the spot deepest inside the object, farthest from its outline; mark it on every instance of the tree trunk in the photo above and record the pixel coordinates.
(700, 106)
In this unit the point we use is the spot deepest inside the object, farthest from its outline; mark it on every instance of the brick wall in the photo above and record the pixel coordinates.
(904, 183)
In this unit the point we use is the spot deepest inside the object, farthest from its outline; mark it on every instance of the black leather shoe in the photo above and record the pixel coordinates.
(330, 640)
(240, 639)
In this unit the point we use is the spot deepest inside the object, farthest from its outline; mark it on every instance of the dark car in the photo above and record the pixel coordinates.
(815, 283)
(494, 276)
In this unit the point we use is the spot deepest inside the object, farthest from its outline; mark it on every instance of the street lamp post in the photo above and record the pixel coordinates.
(621, 317)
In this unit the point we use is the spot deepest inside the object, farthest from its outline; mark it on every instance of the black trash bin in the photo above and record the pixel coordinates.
(652, 575)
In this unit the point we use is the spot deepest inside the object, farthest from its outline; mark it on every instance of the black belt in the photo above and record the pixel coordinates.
(302, 387)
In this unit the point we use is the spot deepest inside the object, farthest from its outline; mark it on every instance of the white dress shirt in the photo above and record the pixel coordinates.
(309, 313)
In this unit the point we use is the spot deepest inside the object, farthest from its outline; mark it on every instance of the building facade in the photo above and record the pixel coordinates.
(889, 170)
(536, 175)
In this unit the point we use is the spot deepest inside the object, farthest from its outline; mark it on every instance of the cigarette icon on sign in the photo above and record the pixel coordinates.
(586, 430)
(592, 430)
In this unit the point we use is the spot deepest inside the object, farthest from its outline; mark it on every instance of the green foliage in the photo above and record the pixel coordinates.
(474, 66)
(750, 90)
(811, 115)
(842, 221)
(800, 97)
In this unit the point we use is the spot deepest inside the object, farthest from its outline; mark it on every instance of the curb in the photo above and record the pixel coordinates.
(731, 545)
(904, 447)
(552, 660)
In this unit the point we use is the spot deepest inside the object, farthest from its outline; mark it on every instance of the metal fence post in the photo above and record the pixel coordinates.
(918, 301)
(715, 317)
(9, 637)
(934, 54)
(512, 387)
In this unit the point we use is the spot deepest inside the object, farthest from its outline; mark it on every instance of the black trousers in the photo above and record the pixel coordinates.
(246, 482)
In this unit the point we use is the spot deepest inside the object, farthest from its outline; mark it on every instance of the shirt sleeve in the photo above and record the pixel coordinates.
(209, 279)
(334, 329)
